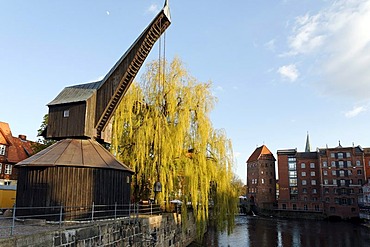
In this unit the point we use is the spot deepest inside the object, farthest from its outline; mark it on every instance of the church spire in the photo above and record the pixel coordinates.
(308, 146)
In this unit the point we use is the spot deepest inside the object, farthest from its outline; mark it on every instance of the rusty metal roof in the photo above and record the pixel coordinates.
(76, 93)
(76, 153)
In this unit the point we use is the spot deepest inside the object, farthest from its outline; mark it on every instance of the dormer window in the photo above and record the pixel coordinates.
(66, 113)
(2, 149)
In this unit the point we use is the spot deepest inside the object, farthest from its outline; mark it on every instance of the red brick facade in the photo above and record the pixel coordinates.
(329, 180)
(261, 179)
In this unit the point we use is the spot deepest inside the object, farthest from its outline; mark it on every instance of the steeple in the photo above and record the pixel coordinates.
(308, 146)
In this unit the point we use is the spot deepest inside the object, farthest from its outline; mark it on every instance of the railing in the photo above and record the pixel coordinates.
(22, 220)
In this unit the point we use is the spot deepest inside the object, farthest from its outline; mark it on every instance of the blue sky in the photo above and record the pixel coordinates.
(280, 68)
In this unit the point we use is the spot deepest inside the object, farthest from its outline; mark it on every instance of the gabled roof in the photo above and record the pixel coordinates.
(259, 152)
(5, 134)
(75, 153)
(18, 149)
(76, 93)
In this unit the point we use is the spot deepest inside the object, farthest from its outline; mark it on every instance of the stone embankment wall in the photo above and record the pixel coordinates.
(161, 230)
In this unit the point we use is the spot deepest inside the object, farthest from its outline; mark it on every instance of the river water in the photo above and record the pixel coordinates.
(269, 232)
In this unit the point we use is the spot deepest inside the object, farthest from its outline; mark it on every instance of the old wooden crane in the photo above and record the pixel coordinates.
(84, 111)
(78, 171)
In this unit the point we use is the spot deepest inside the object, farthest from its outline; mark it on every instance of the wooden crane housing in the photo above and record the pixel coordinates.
(84, 111)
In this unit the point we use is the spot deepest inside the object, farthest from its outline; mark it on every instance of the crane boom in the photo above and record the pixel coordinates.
(118, 80)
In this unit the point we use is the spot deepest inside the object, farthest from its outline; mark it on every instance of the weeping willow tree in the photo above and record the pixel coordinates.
(162, 130)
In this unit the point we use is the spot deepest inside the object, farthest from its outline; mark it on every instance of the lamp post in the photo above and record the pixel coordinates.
(157, 189)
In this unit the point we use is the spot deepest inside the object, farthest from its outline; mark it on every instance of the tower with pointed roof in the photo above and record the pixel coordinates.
(261, 179)
(308, 145)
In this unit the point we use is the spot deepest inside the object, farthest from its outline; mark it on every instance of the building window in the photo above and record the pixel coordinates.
(312, 165)
(7, 182)
(303, 165)
(2, 149)
(349, 163)
(342, 182)
(292, 166)
(334, 173)
(326, 181)
(303, 174)
(348, 155)
(305, 207)
(313, 182)
(358, 163)
(360, 181)
(349, 172)
(340, 155)
(1, 168)
(334, 181)
(304, 190)
(341, 173)
(313, 174)
(324, 164)
(8, 169)
(333, 164)
(326, 190)
(314, 191)
(284, 206)
(317, 208)
(261, 172)
(293, 182)
(293, 174)
(341, 164)
(294, 206)
(262, 180)
(327, 199)
(359, 172)
(325, 172)
(304, 182)
(128, 179)
(332, 155)
(66, 113)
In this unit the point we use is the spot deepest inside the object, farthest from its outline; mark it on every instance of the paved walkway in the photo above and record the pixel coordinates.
(23, 228)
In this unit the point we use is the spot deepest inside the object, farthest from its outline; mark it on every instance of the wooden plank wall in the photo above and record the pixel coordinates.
(71, 187)
(72, 126)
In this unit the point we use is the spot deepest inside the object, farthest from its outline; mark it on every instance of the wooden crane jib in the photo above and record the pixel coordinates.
(123, 73)
(85, 110)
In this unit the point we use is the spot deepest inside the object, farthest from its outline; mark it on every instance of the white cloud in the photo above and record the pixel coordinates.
(270, 45)
(336, 43)
(219, 88)
(153, 9)
(237, 154)
(355, 111)
(289, 72)
(108, 13)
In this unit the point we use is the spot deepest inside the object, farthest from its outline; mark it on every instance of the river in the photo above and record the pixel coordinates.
(269, 232)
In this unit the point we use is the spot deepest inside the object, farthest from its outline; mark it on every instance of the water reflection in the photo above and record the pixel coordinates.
(267, 232)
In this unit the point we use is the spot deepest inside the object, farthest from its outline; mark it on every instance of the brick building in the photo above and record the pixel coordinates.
(261, 179)
(12, 150)
(328, 180)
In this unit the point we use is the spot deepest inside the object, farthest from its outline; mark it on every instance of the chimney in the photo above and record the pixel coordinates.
(22, 137)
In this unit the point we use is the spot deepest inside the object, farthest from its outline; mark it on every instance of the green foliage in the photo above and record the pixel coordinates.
(42, 143)
(162, 130)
